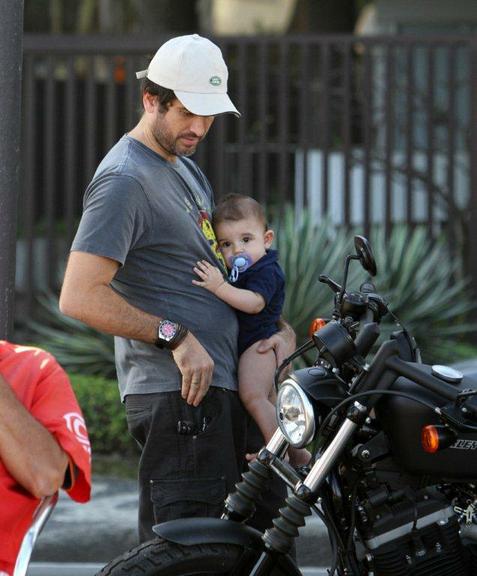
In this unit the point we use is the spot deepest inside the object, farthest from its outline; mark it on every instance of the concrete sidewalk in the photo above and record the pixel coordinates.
(87, 536)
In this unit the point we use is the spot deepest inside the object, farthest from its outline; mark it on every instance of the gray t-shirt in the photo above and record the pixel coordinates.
(153, 217)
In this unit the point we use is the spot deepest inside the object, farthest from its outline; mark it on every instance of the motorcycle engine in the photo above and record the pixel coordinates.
(406, 532)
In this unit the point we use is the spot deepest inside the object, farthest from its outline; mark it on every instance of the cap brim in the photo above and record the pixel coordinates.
(207, 104)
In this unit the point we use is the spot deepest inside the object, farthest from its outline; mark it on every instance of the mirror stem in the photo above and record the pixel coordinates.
(345, 276)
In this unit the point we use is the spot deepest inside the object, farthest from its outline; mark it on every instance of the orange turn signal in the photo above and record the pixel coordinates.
(316, 325)
(430, 439)
(434, 438)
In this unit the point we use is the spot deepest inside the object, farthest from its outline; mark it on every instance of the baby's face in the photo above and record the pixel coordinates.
(247, 236)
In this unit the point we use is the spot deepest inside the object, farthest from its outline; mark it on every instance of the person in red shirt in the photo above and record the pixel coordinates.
(44, 444)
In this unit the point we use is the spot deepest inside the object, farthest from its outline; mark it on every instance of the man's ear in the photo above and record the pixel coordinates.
(149, 102)
(268, 238)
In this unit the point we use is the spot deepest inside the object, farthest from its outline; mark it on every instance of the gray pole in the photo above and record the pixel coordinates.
(11, 31)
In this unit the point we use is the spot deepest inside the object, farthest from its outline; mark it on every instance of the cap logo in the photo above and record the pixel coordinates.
(215, 81)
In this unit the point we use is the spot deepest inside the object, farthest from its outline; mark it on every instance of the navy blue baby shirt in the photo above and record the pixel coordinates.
(267, 279)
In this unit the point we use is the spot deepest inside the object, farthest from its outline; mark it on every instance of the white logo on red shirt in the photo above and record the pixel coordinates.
(76, 424)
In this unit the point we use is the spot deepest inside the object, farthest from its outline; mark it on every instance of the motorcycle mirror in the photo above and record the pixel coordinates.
(365, 254)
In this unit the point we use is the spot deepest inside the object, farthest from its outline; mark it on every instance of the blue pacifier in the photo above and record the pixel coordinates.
(238, 265)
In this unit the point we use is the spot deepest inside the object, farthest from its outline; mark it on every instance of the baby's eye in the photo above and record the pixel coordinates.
(246, 239)
(225, 244)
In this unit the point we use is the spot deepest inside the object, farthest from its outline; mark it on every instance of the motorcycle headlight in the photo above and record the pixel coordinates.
(295, 414)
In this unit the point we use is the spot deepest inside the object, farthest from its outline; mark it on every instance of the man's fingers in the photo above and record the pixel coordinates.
(264, 346)
(193, 390)
(204, 387)
(186, 384)
(196, 367)
(199, 388)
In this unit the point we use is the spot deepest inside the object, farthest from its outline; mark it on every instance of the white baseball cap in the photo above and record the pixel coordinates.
(193, 67)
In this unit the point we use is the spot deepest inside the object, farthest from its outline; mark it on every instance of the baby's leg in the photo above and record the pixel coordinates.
(255, 375)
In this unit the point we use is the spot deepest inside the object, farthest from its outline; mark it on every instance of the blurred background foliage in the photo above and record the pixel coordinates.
(104, 414)
(424, 288)
(156, 16)
(422, 284)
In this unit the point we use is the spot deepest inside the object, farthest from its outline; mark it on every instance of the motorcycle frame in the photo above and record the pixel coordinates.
(385, 368)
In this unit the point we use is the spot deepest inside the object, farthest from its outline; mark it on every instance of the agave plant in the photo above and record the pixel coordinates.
(307, 250)
(422, 283)
(77, 347)
(425, 289)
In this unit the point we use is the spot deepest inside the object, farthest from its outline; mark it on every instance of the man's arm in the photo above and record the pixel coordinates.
(87, 296)
(27, 449)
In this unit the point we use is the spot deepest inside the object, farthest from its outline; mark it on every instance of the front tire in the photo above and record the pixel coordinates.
(160, 558)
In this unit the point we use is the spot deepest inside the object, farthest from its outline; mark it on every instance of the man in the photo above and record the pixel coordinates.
(145, 225)
(44, 445)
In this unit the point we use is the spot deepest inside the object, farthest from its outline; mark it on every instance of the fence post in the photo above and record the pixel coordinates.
(11, 30)
(471, 235)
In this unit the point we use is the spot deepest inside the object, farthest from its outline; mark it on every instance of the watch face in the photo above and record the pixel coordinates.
(167, 330)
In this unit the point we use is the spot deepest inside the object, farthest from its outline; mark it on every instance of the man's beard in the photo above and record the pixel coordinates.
(168, 143)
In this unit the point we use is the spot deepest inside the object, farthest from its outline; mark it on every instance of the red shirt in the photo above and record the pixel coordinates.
(43, 387)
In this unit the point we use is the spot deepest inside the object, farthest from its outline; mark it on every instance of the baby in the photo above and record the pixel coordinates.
(257, 291)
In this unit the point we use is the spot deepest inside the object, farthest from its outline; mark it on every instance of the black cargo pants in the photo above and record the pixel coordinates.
(192, 457)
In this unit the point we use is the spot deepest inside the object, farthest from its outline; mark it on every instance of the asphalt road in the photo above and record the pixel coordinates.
(81, 538)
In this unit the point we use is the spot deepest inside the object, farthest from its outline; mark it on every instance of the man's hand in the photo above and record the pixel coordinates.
(196, 367)
(283, 343)
(211, 277)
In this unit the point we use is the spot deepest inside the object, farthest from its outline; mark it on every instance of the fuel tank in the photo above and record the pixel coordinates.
(323, 387)
(403, 420)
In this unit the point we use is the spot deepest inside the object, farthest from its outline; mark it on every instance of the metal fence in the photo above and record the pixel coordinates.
(363, 131)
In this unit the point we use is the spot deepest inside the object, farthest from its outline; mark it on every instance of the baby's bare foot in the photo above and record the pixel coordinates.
(299, 457)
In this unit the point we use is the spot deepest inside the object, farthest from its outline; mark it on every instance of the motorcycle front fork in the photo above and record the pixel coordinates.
(279, 539)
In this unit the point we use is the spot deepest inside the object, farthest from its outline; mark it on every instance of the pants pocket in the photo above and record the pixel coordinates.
(183, 498)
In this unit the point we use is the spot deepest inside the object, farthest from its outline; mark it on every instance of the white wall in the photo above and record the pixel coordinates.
(315, 192)
(401, 16)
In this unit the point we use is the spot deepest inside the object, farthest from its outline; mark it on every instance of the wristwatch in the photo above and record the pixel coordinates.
(170, 334)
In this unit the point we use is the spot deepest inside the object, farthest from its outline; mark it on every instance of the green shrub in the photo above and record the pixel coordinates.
(104, 414)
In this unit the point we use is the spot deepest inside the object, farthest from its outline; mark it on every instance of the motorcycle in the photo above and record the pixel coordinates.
(394, 467)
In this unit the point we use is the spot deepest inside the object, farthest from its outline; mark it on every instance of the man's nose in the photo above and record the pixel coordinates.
(199, 125)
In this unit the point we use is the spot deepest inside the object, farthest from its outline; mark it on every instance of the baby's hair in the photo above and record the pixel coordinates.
(236, 207)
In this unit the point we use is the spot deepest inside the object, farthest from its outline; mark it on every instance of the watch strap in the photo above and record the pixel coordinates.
(171, 344)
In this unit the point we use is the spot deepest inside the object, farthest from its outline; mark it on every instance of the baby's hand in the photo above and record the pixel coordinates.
(211, 276)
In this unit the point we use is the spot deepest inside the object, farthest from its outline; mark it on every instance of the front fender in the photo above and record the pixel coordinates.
(190, 531)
